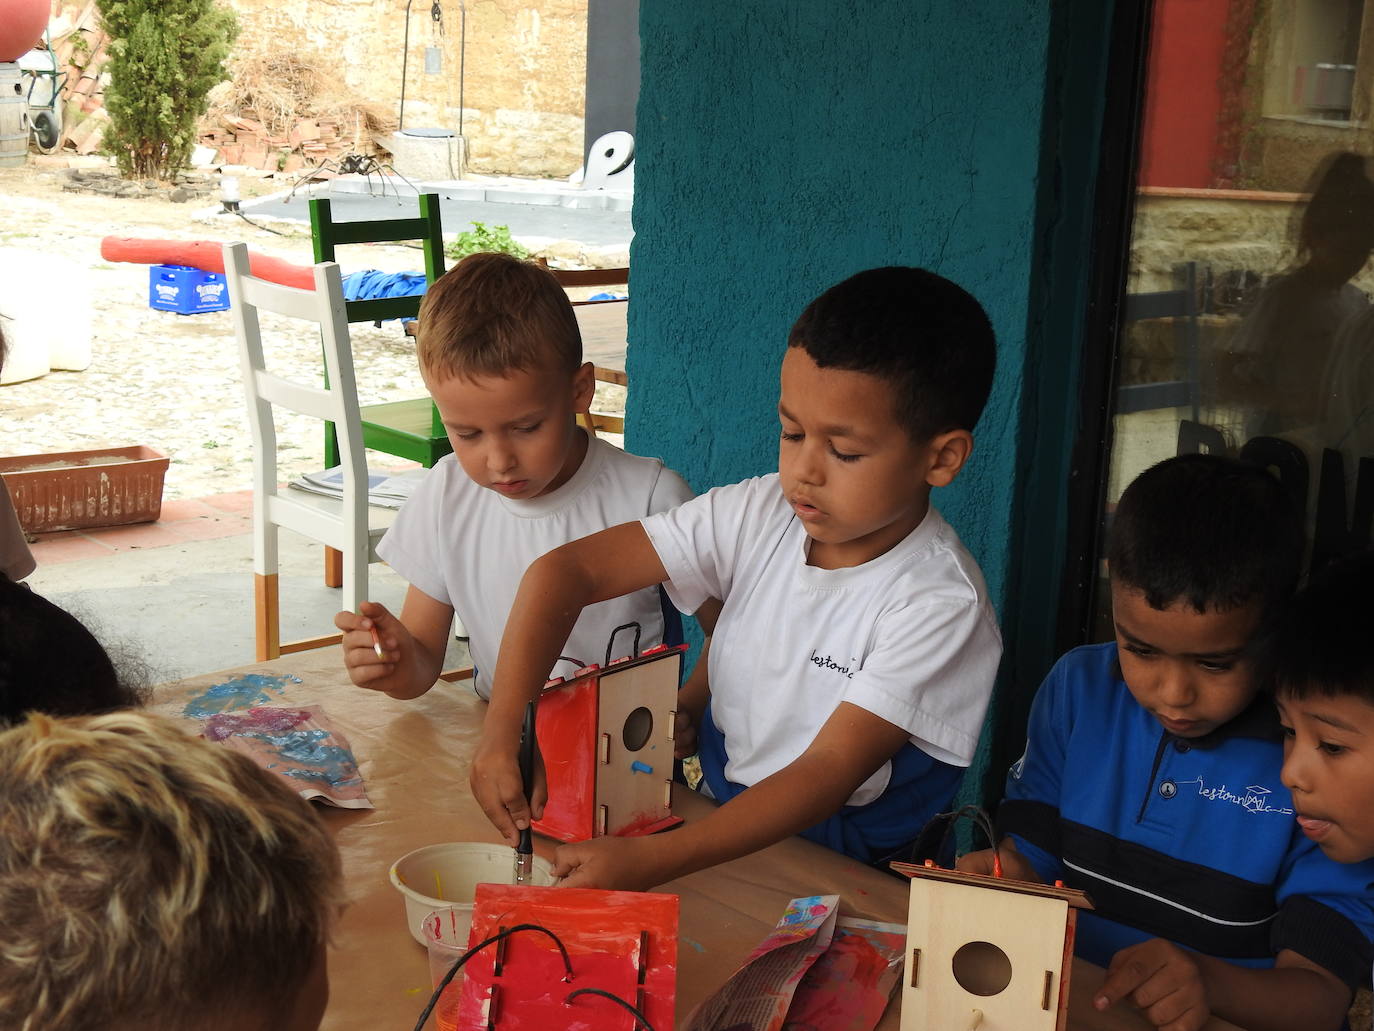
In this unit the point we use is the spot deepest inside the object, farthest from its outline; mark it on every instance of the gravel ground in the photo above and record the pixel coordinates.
(172, 381)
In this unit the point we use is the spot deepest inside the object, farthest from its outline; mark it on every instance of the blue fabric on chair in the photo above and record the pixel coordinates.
(371, 284)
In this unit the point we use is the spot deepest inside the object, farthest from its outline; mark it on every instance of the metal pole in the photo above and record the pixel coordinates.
(462, 57)
(405, 57)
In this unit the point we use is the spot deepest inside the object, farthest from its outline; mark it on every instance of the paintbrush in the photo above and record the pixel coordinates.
(524, 850)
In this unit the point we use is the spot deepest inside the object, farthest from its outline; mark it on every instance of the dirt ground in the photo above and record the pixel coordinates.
(165, 380)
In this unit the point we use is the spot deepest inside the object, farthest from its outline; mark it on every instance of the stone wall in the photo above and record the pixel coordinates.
(1230, 230)
(523, 80)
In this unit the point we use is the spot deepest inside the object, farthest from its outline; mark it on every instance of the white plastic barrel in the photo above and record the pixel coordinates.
(14, 117)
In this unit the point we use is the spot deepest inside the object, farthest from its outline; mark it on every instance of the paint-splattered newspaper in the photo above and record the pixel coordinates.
(299, 745)
(817, 970)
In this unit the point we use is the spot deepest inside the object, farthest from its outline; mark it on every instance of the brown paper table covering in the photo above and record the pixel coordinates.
(413, 756)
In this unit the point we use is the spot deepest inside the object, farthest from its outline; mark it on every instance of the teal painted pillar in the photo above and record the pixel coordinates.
(782, 146)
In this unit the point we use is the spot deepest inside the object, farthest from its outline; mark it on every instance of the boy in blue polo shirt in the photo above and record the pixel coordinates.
(1151, 773)
(1324, 677)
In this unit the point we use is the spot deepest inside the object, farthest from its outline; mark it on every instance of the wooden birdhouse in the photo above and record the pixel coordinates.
(606, 736)
(987, 952)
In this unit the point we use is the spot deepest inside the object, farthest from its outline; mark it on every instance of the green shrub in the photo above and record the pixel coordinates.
(165, 56)
(481, 238)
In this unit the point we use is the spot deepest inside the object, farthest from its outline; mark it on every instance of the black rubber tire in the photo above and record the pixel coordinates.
(46, 136)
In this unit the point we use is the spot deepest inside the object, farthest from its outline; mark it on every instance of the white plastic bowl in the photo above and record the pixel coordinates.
(440, 876)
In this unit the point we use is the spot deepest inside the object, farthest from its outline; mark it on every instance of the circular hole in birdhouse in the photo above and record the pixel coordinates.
(638, 726)
(982, 968)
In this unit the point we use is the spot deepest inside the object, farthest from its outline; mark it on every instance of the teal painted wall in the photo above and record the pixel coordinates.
(783, 145)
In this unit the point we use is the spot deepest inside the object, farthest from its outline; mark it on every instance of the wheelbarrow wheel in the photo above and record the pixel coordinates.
(46, 135)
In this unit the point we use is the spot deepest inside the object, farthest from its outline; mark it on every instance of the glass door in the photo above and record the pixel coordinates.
(1247, 326)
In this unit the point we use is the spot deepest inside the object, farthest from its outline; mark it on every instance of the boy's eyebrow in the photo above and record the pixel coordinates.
(1332, 721)
(836, 430)
(1225, 653)
(530, 417)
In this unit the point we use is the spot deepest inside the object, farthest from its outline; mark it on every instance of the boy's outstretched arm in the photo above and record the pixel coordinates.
(413, 646)
(554, 591)
(1177, 990)
(851, 745)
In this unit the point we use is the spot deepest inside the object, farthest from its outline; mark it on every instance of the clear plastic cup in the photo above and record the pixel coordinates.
(446, 939)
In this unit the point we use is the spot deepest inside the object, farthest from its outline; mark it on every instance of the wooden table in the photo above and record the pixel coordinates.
(413, 758)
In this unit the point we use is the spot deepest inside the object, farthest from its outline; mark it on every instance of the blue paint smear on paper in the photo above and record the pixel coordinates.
(304, 751)
(240, 693)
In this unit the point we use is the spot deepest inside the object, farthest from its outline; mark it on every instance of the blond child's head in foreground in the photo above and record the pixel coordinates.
(1204, 551)
(501, 355)
(1324, 676)
(154, 881)
(884, 378)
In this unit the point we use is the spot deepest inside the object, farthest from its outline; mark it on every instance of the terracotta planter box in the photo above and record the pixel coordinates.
(70, 490)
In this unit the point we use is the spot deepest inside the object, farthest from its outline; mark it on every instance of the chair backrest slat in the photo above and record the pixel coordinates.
(337, 402)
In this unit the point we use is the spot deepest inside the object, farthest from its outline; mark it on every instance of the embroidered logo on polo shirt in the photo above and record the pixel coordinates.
(826, 662)
(1256, 799)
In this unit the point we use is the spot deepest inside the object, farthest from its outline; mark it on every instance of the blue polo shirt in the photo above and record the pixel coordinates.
(1191, 840)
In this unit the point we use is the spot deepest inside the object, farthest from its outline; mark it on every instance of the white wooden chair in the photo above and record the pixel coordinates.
(348, 525)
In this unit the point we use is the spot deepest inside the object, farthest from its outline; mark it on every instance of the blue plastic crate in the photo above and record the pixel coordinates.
(187, 290)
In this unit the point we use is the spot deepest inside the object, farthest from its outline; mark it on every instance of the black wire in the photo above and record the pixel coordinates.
(976, 814)
(257, 225)
(458, 964)
(639, 1017)
(610, 641)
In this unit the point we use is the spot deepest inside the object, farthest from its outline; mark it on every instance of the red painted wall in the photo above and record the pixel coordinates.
(1179, 144)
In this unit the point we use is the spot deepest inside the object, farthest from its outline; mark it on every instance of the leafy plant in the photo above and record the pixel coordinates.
(165, 56)
(481, 238)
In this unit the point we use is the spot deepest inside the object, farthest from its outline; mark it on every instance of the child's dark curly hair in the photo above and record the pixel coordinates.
(50, 662)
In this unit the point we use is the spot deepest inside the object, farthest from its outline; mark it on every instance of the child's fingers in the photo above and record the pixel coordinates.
(347, 621)
(975, 862)
(566, 859)
(497, 788)
(1129, 969)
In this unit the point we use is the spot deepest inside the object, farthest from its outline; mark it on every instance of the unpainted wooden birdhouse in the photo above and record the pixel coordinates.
(987, 953)
(606, 737)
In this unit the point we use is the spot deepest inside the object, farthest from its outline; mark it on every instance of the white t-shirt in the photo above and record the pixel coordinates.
(909, 636)
(468, 547)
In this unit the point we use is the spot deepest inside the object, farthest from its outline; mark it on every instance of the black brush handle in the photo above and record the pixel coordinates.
(526, 845)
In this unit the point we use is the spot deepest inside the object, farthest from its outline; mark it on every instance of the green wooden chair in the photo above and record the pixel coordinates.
(409, 429)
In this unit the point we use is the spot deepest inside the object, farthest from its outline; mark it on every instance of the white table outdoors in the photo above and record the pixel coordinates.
(413, 757)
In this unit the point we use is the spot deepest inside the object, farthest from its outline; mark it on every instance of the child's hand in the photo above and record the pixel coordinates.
(360, 643)
(1160, 978)
(614, 864)
(499, 790)
(1015, 866)
(684, 735)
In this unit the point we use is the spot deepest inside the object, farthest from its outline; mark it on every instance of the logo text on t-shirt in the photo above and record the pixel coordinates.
(826, 662)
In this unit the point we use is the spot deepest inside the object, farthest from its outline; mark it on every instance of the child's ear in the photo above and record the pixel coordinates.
(947, 455)
(584, 387)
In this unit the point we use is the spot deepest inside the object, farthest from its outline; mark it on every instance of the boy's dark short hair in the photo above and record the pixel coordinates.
(1321, 645)
(50, 662)
(926, 336)
(493, 314)
(1212, 531)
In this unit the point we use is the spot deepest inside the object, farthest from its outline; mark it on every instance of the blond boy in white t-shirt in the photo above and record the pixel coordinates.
(501, 355)
(855, 652)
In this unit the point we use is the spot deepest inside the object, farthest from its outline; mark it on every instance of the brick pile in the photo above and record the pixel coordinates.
(82, 53)
(241, 140)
